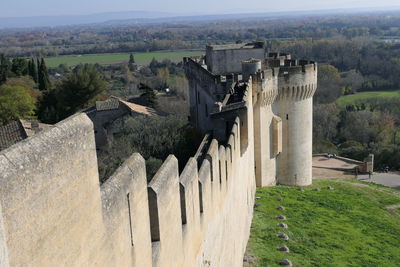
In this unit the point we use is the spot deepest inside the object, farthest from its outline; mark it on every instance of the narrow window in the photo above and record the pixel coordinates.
(226, 170)
(220, 174)
(198, 98)
(287, 116)
(130, 218)
(183, 203)
(206, 110)
(201, 197)
(153, 212)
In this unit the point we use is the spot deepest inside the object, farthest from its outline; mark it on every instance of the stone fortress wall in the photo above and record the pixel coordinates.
(281, 91)
(55, 213)
(257, 125)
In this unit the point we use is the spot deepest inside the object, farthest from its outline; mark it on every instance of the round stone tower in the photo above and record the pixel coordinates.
(249, 67)
(297, 82)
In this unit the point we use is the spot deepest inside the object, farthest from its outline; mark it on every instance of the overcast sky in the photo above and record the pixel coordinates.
(23, 8)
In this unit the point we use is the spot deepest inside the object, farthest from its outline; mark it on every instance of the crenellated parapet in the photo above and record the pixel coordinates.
(297, 80)
(265, 86)
(54, 212)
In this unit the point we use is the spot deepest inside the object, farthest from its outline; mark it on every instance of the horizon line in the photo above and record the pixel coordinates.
(226, 12)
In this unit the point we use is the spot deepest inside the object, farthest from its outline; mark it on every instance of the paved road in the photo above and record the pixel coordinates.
(390, 179)
(324, 167)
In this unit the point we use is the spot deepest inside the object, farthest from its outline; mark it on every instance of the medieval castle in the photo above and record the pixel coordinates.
(256, 113)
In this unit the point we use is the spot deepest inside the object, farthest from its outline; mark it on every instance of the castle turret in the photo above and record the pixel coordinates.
(249, 67)
(266, 126)
(297, 83)
(276, 90)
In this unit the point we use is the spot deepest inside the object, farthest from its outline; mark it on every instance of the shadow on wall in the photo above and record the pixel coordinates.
(51, 204)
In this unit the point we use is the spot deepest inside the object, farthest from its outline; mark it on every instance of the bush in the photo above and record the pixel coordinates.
(350, 144)
(15, 103)
(324, 146)
(387, 156)
(354, 152)
(155, 138)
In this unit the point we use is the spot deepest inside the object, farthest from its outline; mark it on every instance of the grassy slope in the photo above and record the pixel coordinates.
(141, 58)
(348, 226)
(352, 99)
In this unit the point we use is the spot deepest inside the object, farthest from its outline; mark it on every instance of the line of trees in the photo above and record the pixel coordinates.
(17, 67)
(27, 90)
(79, 90)
(189, 35)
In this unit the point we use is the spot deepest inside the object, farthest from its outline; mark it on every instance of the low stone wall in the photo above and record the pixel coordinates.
(53, 211)
(365, 166)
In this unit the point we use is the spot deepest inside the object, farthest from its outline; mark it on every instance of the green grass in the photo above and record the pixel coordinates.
(348, 226)
(364, 96)
(107, 59)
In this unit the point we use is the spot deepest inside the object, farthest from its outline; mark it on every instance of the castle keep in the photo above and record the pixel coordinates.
(275, 90)
(256, 113)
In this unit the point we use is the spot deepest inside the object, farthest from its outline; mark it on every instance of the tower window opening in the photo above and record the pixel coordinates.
(130, 218)
(287, 116)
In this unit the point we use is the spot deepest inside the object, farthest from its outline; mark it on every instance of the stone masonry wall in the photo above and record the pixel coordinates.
(53, 212)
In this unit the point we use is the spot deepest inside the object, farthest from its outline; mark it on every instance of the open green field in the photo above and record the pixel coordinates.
(356, 224)
(107, 59)
(360, 97)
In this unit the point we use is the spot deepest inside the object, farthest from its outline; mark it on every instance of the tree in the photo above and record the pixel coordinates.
(325, 121)
(154, 64)
(32, 70)
(15, 103)
(368, 127)
(149, 95)
(79, 90)
(43, 76)
(127, 77)
(5, 68)
(131, 63)
(48, 107)
(131, 59)
(19, 66)
(163, 75)
(26, 82)
(328, 84)
(154, 137)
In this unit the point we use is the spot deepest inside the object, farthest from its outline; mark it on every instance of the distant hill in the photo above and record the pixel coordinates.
(129, 17)
(53, 21)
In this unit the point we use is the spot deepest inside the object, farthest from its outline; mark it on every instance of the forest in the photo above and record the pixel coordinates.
(358, 55)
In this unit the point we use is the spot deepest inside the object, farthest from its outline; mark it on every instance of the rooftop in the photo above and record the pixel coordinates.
(109, 104)
(237, 46)
(113, 103)
(139, 108)
(19, 130)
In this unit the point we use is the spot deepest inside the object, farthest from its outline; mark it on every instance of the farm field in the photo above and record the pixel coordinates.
(360, 97)
(356, 224)
(107, 59)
